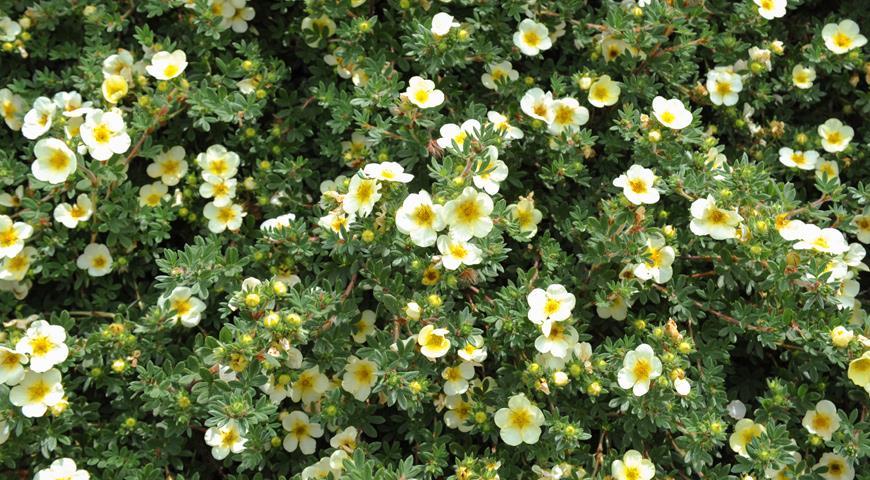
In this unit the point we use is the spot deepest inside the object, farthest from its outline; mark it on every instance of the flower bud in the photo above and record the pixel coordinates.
(841, 337)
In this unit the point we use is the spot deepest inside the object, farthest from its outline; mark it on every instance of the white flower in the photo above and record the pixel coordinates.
(442, 23)
(388, 172)
(96, 259)
(468, 214)
(15, 268)
(277, 388)
(456, 378)
(62, 469)
(682, 386)
(71, 215)
(838, 467)
(413, 310)
(745, 430)
(225, 439)
(166, 66)
(120, 63)
(452, 133)
(11, 108)
(36, 392)
(54, 163)
(660, 256)
(803, 77)
(310, 386)
(862, 224)
(12, 236)
(71, 105)
(490, 173)
(615, 308)
(364, 327)
(218, 161)
(474, 350)
(337, 222)
(220, 190)
(671, 113)
(458, 414)
(526, 215)
(633, 467)
(537, 104)
(503, 125)
(558, 341)
(520, 422)
(455, 252)
(551, 305)
(317, 28)
(278, 223)
(604, 92)
(497, 74)
(842, 37)
(770, 9)
(359, 377)
(433, 342)
(532, 37)
(835, 135)
(736, 409)
(184, 306)
(566, 114)
(708, 219)
(419, 218)
(422, 93)
(823, 421)
(9, 29)
(761, 56)
(637, 185)
(114, 88)
(226, 217)
(826, 240)
(828, 170)
(105, 134)
(345, 439)
(39, 119)
(798, 159)
(169, 166)
(11, 366)
(723, 86)
(44, 343)
(301, 433)
(639, 368)
(362, 194)
(151, 195)
(240, 18)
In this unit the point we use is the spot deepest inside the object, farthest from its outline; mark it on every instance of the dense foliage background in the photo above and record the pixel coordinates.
(172, 352)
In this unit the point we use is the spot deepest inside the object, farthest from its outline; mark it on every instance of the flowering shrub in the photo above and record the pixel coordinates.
(402, 239)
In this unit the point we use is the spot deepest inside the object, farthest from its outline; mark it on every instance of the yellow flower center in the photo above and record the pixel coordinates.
(642, 370)
(8, 237)
(801, 76)
(436, 342)
(668, 117)
(842, 40)
(219, 167)
(77, 211)
(821, 243)
(532, 39)
(798, 158)
(723, 88)
(424, 216)
(102, 133)
(519, 419)
(637, 186)
(540, 109)
(564, 115)
(41, 345)
(600, 93)
(58, 160)
(821, 422)
(171, 167)
(10, 360)
(8, 109)
(226, 214)
(363, 374)
(229, 438)
(468, 211)
(834, 137)
(551, 306)
(37, 392)
(714, 215)
(458, 251)
(422, 96)
(836, 467)
(170, 70)
(99, 261)
(365, 191)
(182, 307)
(767, 4)
(17, 264)
(632, 473)
(498, 75)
